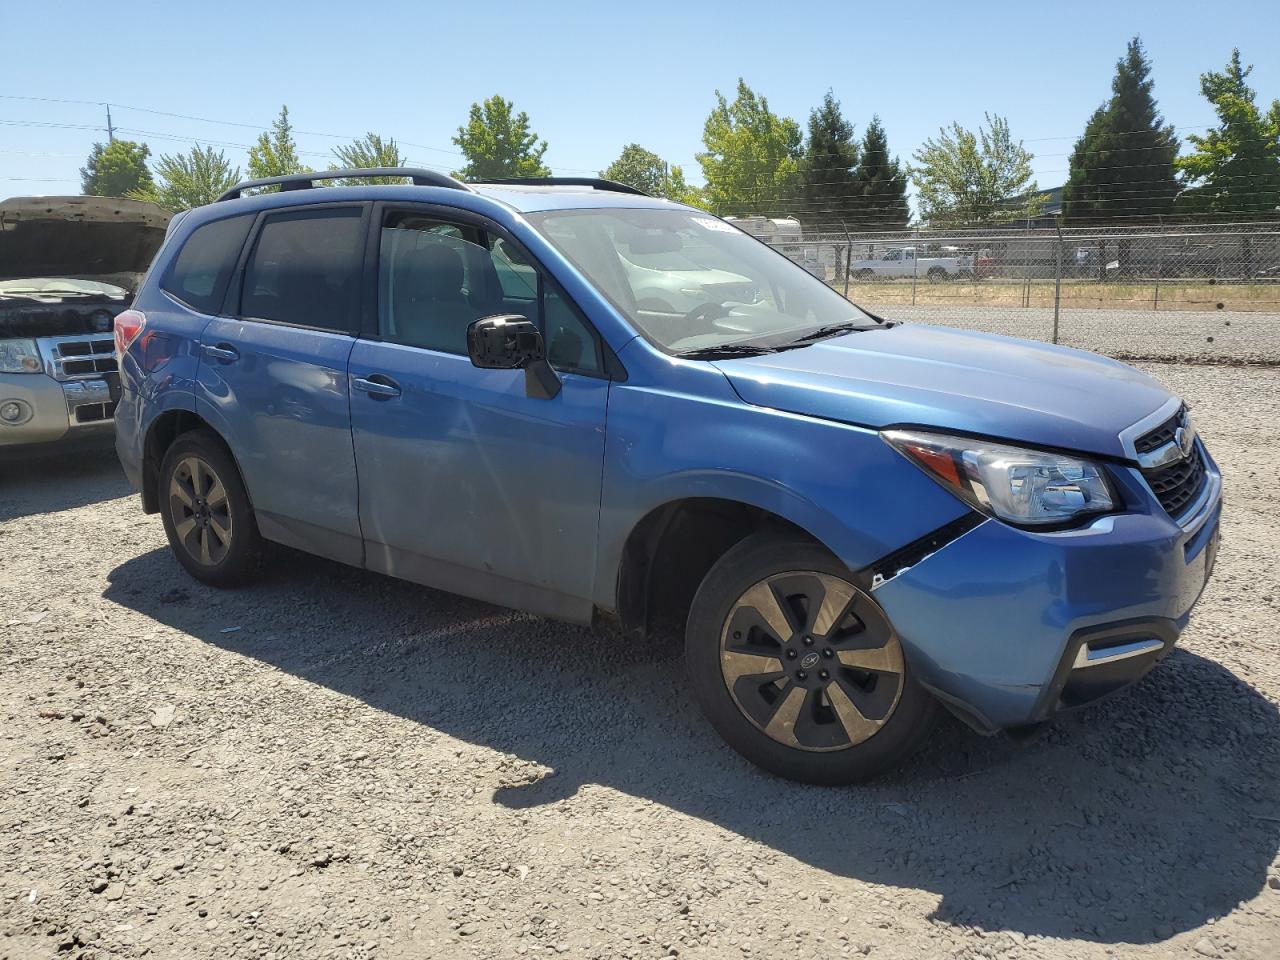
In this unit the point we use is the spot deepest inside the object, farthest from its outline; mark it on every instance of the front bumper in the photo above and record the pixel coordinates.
(1008, 626)
(55, 412)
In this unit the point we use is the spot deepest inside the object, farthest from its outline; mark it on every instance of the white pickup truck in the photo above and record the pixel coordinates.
(935, 266)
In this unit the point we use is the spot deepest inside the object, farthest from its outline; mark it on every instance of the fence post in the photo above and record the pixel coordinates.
(1057, 282)
(915, 260)
(848, 258)
(1155, 300)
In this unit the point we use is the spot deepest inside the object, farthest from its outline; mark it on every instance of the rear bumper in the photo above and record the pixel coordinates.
(1008, 627)
(55, 412)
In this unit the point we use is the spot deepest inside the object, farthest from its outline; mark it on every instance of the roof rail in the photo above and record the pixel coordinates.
(305, 181)
(593, 182)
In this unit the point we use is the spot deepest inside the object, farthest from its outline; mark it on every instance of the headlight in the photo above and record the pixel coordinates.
(1025, 487)
(19, 356)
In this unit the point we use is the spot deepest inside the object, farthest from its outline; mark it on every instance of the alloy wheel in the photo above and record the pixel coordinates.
(811, 661)
(200, 510)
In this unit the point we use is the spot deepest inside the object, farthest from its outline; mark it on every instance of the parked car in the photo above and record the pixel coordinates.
(902, 262)
(857, 521)
(67, 268)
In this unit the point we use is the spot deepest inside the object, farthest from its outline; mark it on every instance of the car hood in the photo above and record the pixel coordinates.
(956, 380)
(92, 238)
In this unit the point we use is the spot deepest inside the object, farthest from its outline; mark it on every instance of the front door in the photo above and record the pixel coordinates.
(273, 377)
(466, 482)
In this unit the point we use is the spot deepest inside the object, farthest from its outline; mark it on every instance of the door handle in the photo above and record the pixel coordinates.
(223, 352)
(377, 386)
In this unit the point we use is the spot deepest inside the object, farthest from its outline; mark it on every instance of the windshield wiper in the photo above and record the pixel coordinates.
(726, 351)
(830, 330)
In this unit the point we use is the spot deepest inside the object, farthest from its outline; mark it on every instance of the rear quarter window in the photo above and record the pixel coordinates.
(200, 272)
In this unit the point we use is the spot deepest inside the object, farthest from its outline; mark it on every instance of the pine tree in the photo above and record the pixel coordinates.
(1235, 169)
(828, 187)
(880, 184)
(1122, 167)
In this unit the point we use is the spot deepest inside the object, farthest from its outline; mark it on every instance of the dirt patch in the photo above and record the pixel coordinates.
(336, 764)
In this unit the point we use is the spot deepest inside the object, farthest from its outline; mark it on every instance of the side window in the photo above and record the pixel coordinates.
(519, 279)
(570, 343)
(198, 275)
(305, 269)
(435, 279)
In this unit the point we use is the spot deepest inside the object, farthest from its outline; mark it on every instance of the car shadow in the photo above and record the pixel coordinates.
(48, 483)
(1133, 820)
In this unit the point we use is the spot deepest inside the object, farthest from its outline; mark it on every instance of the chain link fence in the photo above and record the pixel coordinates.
(1203, 293)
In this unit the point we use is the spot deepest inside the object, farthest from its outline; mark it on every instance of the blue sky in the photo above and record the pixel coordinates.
(592, 77)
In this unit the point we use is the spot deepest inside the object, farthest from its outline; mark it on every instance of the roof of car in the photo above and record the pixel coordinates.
(495, 200)
(529, 199)
(518, 194)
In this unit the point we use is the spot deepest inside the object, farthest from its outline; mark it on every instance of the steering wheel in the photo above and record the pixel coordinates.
(706, 311)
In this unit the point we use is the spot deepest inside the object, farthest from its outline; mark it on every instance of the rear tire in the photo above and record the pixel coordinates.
(938, 275)
(832, 702)
(206, 511)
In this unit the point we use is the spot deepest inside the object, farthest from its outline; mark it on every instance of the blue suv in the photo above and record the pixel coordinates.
(570, 398)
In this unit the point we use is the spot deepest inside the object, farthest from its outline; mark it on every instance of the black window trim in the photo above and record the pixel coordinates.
(232, 301)
(611, 367)
(167, 276)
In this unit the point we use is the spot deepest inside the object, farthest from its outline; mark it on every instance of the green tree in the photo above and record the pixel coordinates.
(828, 184)
(752, 158)
(116, 169)
(368, 152)
(964, 178)
(276, 152)
(190, 180)
(497, 142)
(645, 170)
(1122, 167)
(1235, 167)
(880, 184)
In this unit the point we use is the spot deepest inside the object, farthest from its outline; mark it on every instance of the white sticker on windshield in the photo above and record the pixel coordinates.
(709, 223)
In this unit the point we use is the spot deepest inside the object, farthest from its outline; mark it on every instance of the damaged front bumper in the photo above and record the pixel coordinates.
(1008, 626)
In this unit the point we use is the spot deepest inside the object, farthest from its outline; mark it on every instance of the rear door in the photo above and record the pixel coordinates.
(466, 482)
(273, 375)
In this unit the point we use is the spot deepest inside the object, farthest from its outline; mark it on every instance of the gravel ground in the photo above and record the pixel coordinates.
(336, 764)
(1217, 337)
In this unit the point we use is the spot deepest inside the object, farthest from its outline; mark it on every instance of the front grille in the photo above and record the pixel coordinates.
(93, 412)
(1177, 485)
(1161, 435)
(70, 358)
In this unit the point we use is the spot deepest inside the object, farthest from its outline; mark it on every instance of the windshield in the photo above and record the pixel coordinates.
(694, 284)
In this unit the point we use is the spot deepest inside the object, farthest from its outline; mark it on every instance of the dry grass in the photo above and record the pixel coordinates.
(1172, 295)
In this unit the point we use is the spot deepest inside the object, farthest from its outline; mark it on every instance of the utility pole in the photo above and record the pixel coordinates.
(111, 130)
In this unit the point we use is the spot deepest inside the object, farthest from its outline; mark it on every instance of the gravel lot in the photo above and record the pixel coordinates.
(335, 764)
(1163, 335)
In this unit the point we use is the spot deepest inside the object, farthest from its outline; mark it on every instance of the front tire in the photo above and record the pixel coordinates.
(206, 511)
(798, 669)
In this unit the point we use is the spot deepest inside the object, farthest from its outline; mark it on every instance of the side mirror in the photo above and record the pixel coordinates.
(511, 342)
(508, 342)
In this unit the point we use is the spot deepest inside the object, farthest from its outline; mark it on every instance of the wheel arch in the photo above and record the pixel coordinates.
(670, 549)
(161, 434)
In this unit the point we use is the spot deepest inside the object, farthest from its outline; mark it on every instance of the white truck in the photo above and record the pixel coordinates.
(933, 264)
